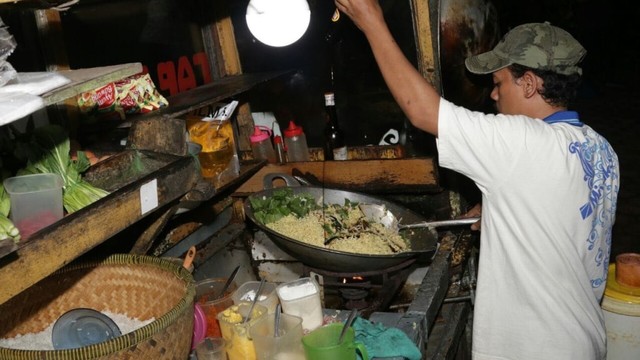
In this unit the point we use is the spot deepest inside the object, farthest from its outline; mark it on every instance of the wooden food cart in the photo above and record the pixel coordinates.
(176, 181)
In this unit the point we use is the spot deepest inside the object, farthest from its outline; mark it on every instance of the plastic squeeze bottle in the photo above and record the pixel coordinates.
(296, 143)
(261, 145)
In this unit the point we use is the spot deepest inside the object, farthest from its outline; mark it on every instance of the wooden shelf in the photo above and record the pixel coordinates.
(62, 242)
(82, 80)
(88, 79)
(212, 93)
(388, 176)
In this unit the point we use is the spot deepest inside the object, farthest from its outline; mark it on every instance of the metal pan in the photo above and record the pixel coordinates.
(424, 241)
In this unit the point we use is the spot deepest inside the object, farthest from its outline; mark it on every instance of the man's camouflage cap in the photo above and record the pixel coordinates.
(536, 45)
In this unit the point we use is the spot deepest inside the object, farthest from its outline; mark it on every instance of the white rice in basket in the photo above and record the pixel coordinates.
(42, 340)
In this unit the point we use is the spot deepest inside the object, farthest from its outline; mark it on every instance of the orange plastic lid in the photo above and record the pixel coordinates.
(618, 291)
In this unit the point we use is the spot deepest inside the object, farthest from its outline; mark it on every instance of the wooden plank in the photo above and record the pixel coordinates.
(227, 44)
(79, 232)
(380, 176)
(158, 134)
(222, 89)
(423, 13)
(7, 246)
(88, 79)
(51, 39)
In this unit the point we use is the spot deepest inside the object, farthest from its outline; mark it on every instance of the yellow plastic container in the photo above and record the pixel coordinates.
(621, 307)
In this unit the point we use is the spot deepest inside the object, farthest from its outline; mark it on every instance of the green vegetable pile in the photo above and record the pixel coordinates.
(45, 149)
(282, 203)
(49, 152)
(7, 229)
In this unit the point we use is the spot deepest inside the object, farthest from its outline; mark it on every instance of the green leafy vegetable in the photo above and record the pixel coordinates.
(49, 153)
(282, 203)
(8, 230)
(5, 202)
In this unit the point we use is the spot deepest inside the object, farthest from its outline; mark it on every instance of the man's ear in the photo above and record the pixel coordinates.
(530, 83)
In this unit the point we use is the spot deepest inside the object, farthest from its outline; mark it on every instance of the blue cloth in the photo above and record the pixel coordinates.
(382, 342)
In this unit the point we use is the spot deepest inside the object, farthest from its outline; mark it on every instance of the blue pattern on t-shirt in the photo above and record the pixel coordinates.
(599, 163)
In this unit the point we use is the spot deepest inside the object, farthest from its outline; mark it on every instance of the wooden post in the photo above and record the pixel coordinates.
(220, 44)
(53, 47)
(426, 28)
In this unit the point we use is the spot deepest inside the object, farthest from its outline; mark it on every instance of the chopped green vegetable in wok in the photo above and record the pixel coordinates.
(282, 203)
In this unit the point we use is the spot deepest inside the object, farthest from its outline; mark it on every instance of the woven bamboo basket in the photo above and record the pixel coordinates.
(141, 287)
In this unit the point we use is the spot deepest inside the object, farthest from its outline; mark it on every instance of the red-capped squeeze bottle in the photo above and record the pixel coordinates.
(261, 145)
(296, 143)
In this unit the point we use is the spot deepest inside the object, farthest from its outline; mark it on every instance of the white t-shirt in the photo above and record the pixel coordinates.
(548, 204)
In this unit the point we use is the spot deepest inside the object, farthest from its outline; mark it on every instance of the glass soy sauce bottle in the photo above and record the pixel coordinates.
(335, 147)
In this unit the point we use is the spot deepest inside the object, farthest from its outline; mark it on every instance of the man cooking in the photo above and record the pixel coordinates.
(549, 187)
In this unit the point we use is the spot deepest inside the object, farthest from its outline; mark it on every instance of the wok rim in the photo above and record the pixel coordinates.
(271, 233)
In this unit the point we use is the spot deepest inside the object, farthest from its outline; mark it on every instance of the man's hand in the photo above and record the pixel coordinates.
(365, 14)
(475, 211)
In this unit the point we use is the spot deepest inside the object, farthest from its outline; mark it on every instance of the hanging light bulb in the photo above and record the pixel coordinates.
(278, 22)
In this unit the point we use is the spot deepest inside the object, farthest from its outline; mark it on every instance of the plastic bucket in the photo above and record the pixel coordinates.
(621, 308)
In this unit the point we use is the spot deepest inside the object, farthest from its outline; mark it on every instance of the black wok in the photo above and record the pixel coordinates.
(423, 241)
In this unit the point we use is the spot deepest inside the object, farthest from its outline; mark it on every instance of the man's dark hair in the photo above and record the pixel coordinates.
(559, 90)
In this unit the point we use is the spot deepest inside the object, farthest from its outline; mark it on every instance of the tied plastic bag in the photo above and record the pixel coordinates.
(133, 95)
(214, 132)
(7, 45)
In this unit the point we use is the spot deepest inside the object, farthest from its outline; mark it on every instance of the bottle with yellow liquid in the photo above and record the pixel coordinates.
(215, 135)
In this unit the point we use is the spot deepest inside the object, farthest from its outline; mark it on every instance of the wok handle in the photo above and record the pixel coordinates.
(267, 180)
(435, 224)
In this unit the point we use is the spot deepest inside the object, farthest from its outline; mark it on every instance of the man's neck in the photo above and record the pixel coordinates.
(541, 111)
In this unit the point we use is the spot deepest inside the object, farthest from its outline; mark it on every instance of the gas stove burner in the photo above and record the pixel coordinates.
(367, 291)
(354, 294)
(355, 298)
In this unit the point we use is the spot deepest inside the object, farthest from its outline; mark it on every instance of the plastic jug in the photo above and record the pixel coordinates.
(261, 145)
(296, 143)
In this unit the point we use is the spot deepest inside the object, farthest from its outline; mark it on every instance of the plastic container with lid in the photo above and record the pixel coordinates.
(261, 144)
(295, 142)
(247, 292)
(302, 298)
(621, 308)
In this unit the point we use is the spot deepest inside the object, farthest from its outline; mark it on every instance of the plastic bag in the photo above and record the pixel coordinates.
(7, 45)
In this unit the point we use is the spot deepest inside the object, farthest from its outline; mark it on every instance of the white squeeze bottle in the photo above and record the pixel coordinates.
(261, 146)
(296, 143)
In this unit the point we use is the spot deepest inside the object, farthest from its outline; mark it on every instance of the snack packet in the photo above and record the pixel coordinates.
(136, 94)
